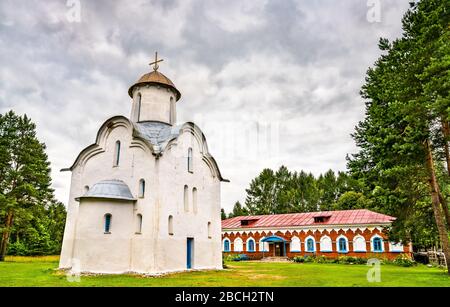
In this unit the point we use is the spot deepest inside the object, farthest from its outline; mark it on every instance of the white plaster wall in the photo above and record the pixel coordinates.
(96, 250)
(155, 103)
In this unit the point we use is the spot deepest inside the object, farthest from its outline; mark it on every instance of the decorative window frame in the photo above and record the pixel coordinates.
(354, 245)
(331, 244)
(241, 245)
(247, 244)
(306, 244)
(372, 246)
(229, 245)
(262, 245)
(338, 245)
(299, 245)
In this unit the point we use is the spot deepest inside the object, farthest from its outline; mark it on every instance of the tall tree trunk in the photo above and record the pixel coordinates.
(435, 191)
(446, 132)
(5, 235)
(444, 204)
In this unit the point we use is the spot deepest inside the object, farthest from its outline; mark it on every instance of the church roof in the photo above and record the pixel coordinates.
(157, 133)
(110, 189)
(342, 217)
(155, 77)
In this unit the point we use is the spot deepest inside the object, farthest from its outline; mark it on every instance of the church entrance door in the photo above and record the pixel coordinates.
(189, 248)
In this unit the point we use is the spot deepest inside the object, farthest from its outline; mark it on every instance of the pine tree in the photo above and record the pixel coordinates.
(24, 174)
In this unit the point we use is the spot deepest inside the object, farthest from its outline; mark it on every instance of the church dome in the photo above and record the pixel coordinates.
(111, 189)
(155, 77)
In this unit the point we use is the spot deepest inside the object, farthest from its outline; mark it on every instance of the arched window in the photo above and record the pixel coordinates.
(209, 230)
(141, 188)
(170, 225)
(172, 111)
(325, 244)
(186, 198)
(263, 246)
(250, 245)
(139, 223)
(359, 244)
(238, 245)
(190, 165)
(108, 217)
(226, 245)
(342, 245)
(117, 154)
(138, 106)
(295, 244)
(310, 245)
(194, 199)
(86, 189)
(377, 244)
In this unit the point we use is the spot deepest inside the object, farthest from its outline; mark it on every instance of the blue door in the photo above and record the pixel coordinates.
(190, 242)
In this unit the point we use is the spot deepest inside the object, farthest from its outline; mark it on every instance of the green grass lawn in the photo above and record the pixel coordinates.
(40, 271)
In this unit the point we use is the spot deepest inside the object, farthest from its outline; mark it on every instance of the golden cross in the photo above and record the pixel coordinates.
(155, 63)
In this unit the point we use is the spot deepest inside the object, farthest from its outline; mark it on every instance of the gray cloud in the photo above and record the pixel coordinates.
(293, 66)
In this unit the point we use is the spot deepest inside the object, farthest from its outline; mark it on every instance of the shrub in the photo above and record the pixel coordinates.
(298, 259)
(403, 260)
(309, 259)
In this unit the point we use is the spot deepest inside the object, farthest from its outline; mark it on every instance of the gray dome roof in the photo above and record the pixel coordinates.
(111, 189)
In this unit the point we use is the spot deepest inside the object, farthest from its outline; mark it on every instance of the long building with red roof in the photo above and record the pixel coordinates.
(357, 233)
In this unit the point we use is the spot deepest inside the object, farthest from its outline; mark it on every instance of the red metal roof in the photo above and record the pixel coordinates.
(343, 217)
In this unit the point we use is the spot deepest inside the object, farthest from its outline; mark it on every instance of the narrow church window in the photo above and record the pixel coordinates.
(107, 223)
(170, 225)
(209, 230)
(141, 188)
(172, 111)
(139, 224)
(194, 199)
(139, 106)
(189, 161)
(117, 154)
(186, 199)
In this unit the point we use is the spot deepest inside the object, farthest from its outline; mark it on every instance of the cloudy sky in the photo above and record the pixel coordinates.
(270, 82)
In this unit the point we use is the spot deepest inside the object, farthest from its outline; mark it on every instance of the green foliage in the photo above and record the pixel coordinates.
(284, 191)
(407, 99)
(30, 219)
(403, 260)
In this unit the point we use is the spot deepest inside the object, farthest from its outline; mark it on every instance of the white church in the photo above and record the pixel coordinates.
(145, 197)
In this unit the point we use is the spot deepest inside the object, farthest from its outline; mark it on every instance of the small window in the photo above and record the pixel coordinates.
(117, 154)
(141, 188)
(190, 161)
(138, 106)
(209, 230)
(172, 111)
(139, 223)
(86, 189)
(342, 245)
(377, 244)
(108, 223)
(251, 245)
(226, 245)
(186, 198)
(310, 245)
(170, 224)
(194, 199)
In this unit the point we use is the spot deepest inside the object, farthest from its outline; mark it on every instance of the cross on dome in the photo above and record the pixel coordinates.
(155, 63)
